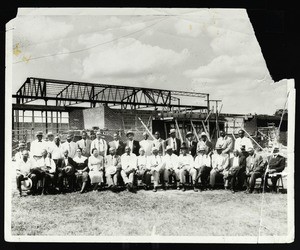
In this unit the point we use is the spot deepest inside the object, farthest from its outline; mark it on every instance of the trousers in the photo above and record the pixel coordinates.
(214, 175)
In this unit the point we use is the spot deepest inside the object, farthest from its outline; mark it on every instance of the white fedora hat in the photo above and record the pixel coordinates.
(26, 184)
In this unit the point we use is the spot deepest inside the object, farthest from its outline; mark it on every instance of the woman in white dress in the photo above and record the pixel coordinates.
(95, 164)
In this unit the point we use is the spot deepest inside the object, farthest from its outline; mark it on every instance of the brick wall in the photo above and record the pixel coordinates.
(76, 120)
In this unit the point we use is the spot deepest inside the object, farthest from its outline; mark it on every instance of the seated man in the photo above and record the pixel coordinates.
(186, 167)
(154, 163)
(276, 165)
(24, 168)
(255, 168)
(129, 167)
(65, 169)
(170, 166)
(202, 164)
(47, 169)
(220, 162)
(112, 166)
(237, 165)
(143, 172)
(81, 169)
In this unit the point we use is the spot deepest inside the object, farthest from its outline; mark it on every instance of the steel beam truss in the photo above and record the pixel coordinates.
(66, 93)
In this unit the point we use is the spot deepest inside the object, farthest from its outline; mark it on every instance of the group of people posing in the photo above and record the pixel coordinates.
(93, 164)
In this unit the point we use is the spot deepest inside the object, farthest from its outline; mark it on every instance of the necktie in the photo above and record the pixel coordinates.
(98, 145)
(84, 143)
(69, 148)
(174, 145)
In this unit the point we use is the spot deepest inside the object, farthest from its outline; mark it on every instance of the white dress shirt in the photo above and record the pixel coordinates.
(129, 161)
(25, 167)
(186, 161)
(100, 145)
(154, 161)
(202, 160)
(220, 161)
(235, 162)
(170, 161)
(56, 152)
(159, 144)
(242, 141)
(130, 144)
(71, 147)
(173, 143)
(147, 146)
(47, 164)
(36, 147)
(142, 161)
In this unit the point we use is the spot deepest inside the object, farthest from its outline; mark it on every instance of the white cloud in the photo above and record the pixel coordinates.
(95, 38)
(130, 57)
(189, 28)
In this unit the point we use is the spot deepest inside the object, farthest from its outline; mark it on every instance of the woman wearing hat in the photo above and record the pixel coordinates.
(96, 167)
(82, 170)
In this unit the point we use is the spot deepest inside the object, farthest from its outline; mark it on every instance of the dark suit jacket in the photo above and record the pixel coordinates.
(136, 147)
(178, 142)
(61, 164)
(258, 164)
(277, 163)
(192, 148)
(120, 150)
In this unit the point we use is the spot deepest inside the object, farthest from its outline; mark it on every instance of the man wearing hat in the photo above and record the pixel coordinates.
(37, 146)
(159, 143)
(170, 166)
(154, 163)
(50, 143)
(132, 144)
(220, 162)
(117, 144)
(56, 150)
(173, 142)
(146, 144)
(276, 165)
(204, 142)
(242, 140)
(129, 167)
(65, 169)
(202, 164)
(100, 144)
(225, 142)
(69, 145)
(19, 156)
(85, 144)
(24, 172)
(112, 165)
(191, 144)
(255, 168)
(186, 167)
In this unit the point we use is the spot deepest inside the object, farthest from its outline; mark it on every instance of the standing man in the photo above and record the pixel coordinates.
(56, 150)
(65, 169)
(191, 144)
(225, 142)
(50, 142)
(100, 144)
(117, 145)
(112, 166)
(146, 144)
(132, 144)
(242, 140)
(255, 168)
(159, 143)
(154, 163)
(276, 165)
(186, 167)
(37, 146)
(85, 144)
(170, 166)
(173, 142)
(204, 142)
(129, 167)
(24, 168)
(220, 162)
(70, 146)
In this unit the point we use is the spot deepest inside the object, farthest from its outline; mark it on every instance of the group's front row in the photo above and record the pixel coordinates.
(204, 171)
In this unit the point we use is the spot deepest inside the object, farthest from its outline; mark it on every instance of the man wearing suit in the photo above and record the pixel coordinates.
(85, 144)
(65, 169)
(173, 142)
(192, 145)
(117, 145)
(70, 145)
(276, 165)
(237, 165)
(132, 144)
(226, 142)
(255, 168)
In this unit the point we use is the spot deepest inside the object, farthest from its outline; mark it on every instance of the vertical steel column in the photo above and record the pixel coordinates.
(57, 124)
(33, 125)
(46, 117)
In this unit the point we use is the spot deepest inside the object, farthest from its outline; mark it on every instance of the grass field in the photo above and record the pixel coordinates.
(165, 213)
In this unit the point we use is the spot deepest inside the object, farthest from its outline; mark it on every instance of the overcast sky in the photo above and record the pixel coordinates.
(206, 50)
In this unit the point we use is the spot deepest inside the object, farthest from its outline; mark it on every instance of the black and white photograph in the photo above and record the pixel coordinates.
(145, 125)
